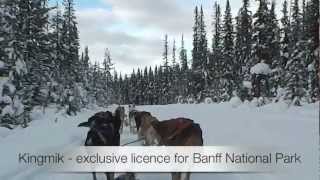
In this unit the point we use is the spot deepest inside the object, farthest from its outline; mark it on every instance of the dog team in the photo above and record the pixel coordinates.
(105, 129)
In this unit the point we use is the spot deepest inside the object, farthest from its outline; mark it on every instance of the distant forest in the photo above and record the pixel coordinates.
(286, 47)
(254, 57)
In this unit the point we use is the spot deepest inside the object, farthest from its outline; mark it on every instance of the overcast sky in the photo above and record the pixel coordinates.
(133, 30)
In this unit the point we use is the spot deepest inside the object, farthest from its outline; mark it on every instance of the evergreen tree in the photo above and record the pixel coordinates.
(216, 62)
(183, 74)
(296, 66)
(244, 42)
(261, 48)
(243, 58)
(166, 70)
(70, 42)
(196, 40)
(107, 67)
(165, 52)
(311, 25)
(285, 37)
(199, 56)
(274, 44)
(174, 76)
(228, 64)
(183, 56)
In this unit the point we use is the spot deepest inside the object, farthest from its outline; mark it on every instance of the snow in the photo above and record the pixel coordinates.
(18, 106)
(261, 68)
(4, 132)
(235, 101)
(247, 84)
(2, 65)
(7, 110)
(11, 87)
(21, 67)
(311, 67)
(272, 125)
(5, 100)
(3, 82)
(208, 100)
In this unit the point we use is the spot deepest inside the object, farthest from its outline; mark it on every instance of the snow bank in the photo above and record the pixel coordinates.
(4, 132)
(260, 68)
(235, 101)
(208, 100)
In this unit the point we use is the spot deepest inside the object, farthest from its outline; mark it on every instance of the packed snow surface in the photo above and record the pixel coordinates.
(222, 124)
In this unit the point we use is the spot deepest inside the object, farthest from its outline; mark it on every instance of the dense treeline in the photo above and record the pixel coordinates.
(40, 63)
(254, 56)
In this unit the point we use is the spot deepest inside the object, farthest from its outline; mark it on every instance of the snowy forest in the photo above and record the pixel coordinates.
(254, 56)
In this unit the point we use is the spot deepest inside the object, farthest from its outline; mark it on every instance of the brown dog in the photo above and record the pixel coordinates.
(173, 132)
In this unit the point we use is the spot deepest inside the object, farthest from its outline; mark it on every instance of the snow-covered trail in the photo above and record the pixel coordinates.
(222, 124)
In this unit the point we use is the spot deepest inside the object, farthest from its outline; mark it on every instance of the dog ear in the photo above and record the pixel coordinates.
(84, 124)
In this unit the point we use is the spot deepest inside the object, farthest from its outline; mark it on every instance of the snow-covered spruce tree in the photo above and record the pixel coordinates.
(121, 93)
(115, 86)
(70, 41)
(196, 37)
(143, 85)
(57, 54)
(149, 80)
(12, 110)
(215, 64)
(32, 48)
(165, 55)
(195, 52)
(243, 46)
(106, 91)
(85, 74)
(139, 97)
(166, 70)
(132, 88)
(94, 80)
(261, 48)
(70, 65)
(228, 64)
(183, 73)
(156, 94)
(274, 44)
(296, 72)
(174, 76)
(183, 56)
(199, 56)
(204, 59)
(125, 89)
(285, 48)
(311, 31)
(162, 86)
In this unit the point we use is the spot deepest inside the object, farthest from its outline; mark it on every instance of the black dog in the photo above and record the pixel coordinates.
(104, 131)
